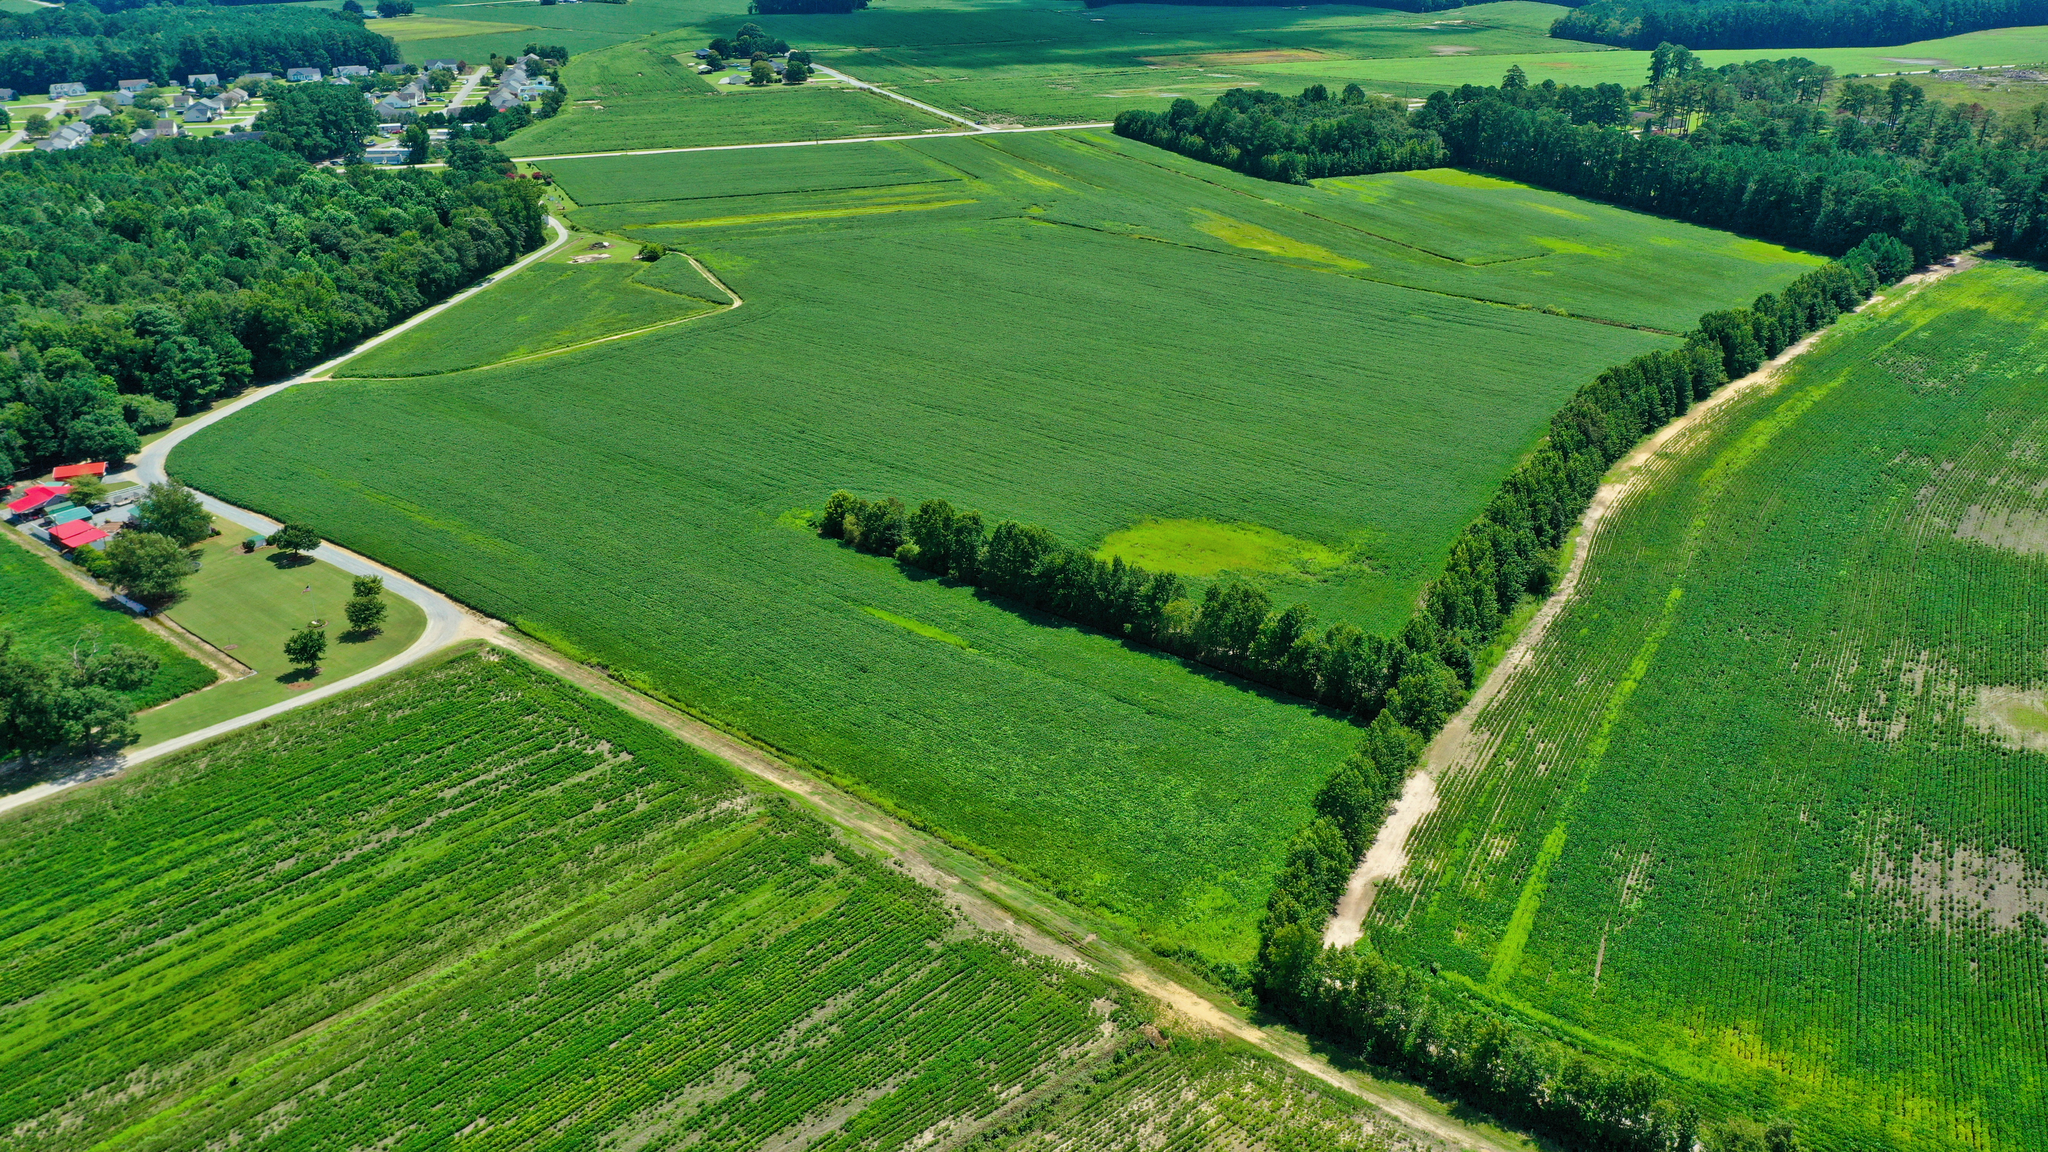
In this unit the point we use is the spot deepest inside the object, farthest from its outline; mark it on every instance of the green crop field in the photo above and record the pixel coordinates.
(47, 615)
(686, 176)
(641, 95)
(555, 304)
(1766, 807)
(1419, 77)
(1078, 332)
(471, 903)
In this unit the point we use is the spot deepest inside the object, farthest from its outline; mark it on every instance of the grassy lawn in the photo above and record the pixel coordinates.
(642, 95)
(245, 605)
(1076, 331)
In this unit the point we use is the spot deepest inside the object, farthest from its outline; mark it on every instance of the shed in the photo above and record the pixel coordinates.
(76, 534)
(36, 497)
(70, 516)
(96, 468)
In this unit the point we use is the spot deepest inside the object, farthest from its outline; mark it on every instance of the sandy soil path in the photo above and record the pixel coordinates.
(1459, 742)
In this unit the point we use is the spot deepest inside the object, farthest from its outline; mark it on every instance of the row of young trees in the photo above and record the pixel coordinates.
(1763, 24)
(137, 278)
(1419, 676)
(74, 43)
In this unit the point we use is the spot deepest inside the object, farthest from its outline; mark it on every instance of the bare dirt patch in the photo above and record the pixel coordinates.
(1451, 50)
(2023, 530)
(2016, 717)
(1961, 886)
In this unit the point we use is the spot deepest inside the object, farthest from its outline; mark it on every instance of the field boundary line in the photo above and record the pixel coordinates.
(978, 131)
(864, 86)
(1387, 857)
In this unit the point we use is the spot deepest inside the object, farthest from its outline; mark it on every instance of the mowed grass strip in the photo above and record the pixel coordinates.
(699, 175)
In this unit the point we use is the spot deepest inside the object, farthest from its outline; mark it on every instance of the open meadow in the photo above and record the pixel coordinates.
(1765, 809)
(1078, 332)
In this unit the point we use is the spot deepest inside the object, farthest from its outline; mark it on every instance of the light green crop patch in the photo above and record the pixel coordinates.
(919, 627)
(1206, 547)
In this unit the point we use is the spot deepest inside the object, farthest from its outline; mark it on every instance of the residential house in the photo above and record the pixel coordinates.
(125, 99)
(168, 128)
(133, 85)
(232, 99)
(388, 110)
(386, 154)
(202, 80)
(352, 70)
(394, 69)
(142, 136)
(180, 99)
(66, 138)
(455, 66)
(95, 111)
(61, 91)
(301, 75)
(6, 94)
(500, 100)
(202, 112)
(338, 79)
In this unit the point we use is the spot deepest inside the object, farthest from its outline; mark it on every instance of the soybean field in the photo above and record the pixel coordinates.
(1765, 809)
(1079, 332)
(469, 904)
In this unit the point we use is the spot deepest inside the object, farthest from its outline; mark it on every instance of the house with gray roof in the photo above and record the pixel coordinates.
(61, 91)
(301, 75)
(202, 80)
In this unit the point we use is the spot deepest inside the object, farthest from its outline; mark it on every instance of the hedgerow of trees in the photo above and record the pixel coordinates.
(138, 283)
(1405, 688)
(1769, 156)
(76, 43)
(1764, 24)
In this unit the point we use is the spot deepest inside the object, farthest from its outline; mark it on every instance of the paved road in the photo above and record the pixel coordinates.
(447, 621)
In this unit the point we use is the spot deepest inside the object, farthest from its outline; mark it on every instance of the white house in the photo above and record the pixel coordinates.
(202, 80)
(352, 70)
(301, 75)
(202, 112)
(60, 91)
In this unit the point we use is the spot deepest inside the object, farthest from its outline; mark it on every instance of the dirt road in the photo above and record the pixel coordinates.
(1460, 743)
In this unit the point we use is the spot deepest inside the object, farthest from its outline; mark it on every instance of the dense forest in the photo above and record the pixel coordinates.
(77, 43)
(139, 283)
(1764, 24)
(1770, 157)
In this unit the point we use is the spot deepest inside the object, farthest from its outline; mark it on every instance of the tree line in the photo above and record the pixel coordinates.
(1403, 688)
(1291, 138)
(1768, 159)
(74, 43)
(1762, 24)
(140, 283)
(1419, 676)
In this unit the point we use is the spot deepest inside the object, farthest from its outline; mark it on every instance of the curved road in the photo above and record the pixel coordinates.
(447, 621)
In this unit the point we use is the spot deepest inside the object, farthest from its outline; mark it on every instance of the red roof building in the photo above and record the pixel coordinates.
(36, 497)
(70, 470)
(76, 534)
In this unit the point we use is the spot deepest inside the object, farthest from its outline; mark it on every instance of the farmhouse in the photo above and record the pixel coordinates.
(35, 498)
(76, 534)
(62, 91)
(232, 98)
(202, 80)
(301, 75)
